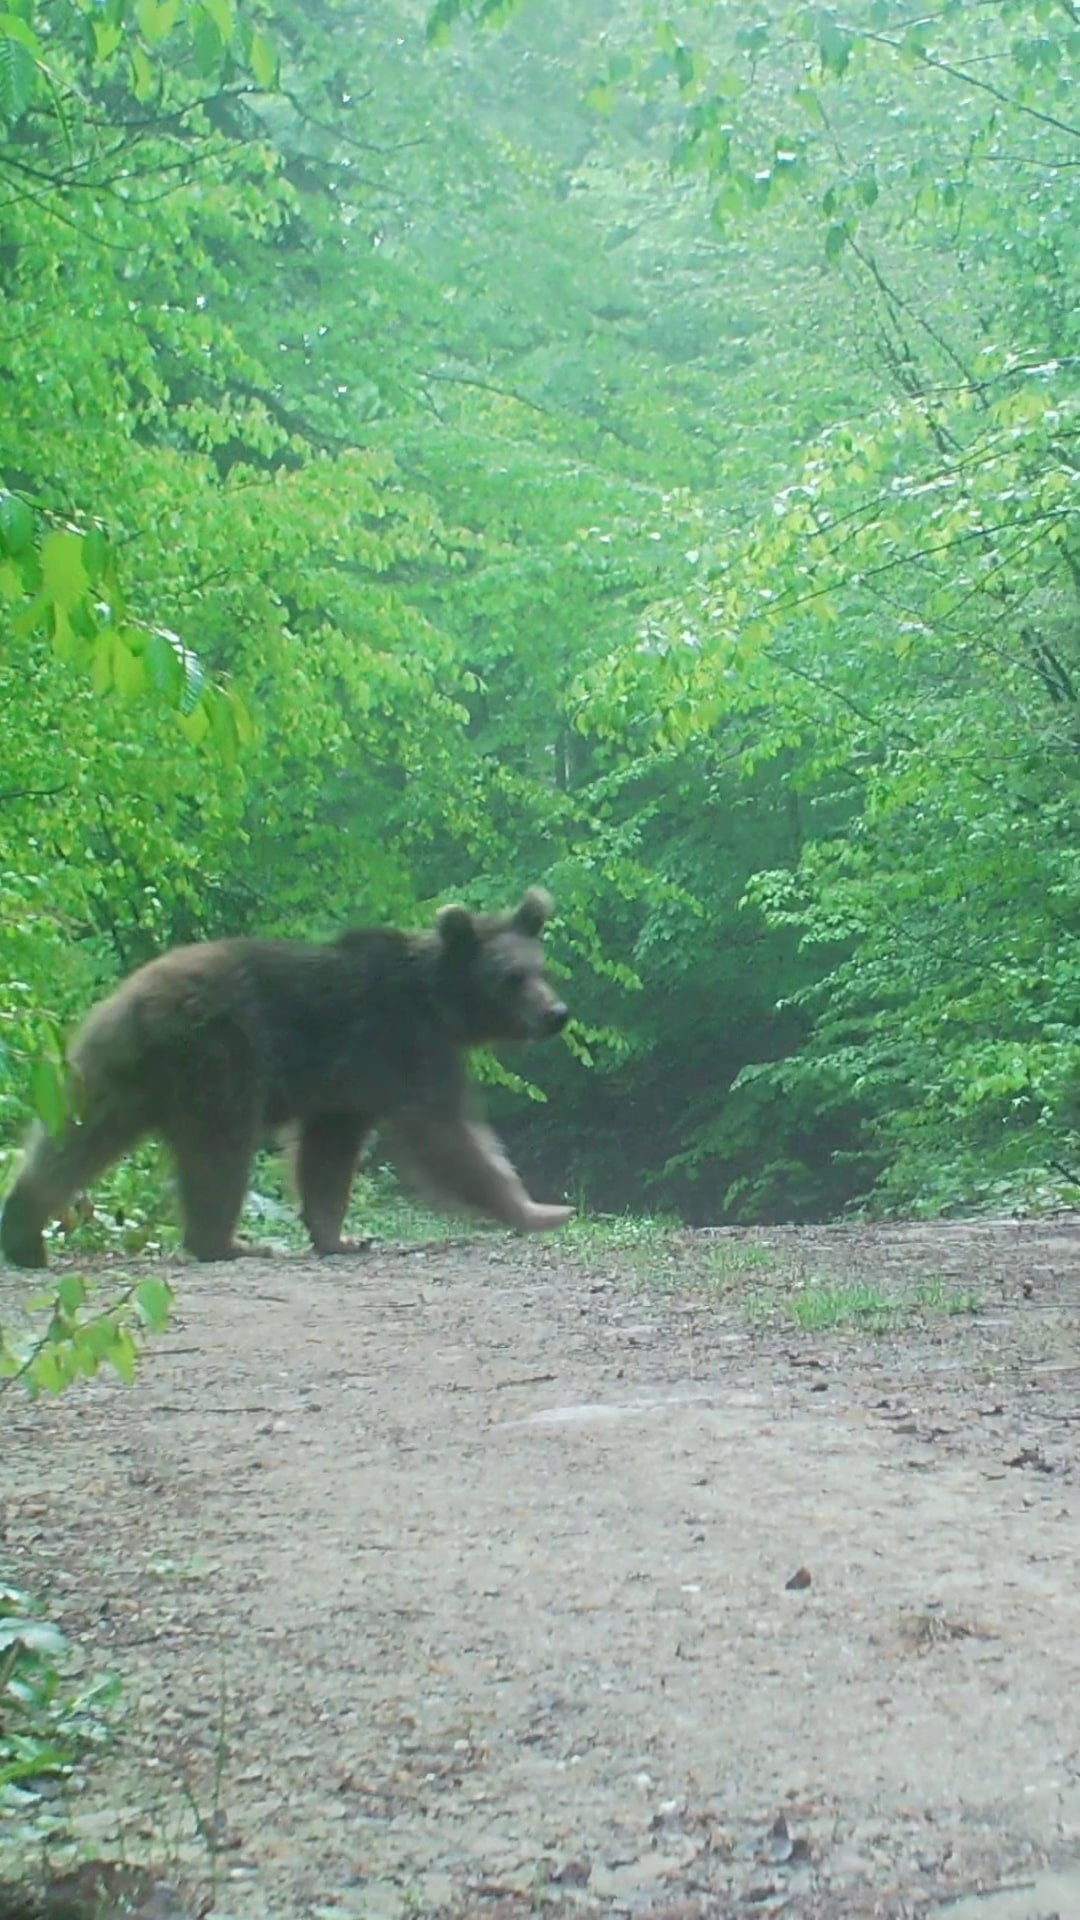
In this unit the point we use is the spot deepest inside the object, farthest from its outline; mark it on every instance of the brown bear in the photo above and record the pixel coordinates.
(219, 1046)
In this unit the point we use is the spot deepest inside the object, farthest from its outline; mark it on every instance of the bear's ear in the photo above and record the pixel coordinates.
(456, 928)
(535, 911)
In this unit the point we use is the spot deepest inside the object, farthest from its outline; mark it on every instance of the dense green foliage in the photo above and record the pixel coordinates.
(635, 453)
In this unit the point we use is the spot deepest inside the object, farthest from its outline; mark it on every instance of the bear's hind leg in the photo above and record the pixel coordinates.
(465, 1162)
(213, 1164)
(325, 1163)
(55, 1168)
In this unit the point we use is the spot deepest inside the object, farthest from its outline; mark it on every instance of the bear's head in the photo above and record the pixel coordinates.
(491, 973)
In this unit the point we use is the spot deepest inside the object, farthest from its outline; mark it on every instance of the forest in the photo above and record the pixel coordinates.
(628, 449)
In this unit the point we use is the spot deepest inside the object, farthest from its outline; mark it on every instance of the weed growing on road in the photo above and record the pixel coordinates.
(638, 1241)
(819, 1306)
(729, 1263)
(667, 1257)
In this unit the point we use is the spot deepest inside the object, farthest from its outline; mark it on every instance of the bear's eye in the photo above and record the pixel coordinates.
(517, 978)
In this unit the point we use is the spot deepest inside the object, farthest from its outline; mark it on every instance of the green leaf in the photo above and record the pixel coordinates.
(154, 1299)
(14, 27)
(95, 553)
(48, 1374)
(751, 40)
(16, 525)
(836, 239)
(96, 1338)
(64, 579)
(207, 41)
(1038, 50)
(49, 1094)
(71, 1293)
(66, 644)
(729, 203)
(243, 724)
(173, 669)
(164, 661)
(107, 37)
(809, 100)
(834, 45)
(101, 664)
(18, 69)
(144, 76)
(195, 685)
(222, 14)
(156, 18)
(195, 724)
(441, 19)
(22, 10)
(128, 671)
(687, 69)
(222, 724)
(123, 1356)
(264, 62)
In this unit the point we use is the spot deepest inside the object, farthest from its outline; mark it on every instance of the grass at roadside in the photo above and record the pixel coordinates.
(756, 1278)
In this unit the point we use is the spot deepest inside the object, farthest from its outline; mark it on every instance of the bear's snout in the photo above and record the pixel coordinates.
(555, 1018)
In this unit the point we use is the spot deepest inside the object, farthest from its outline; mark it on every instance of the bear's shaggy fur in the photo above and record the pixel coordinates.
(218, 1046)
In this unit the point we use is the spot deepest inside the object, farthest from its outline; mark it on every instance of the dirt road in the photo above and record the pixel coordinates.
(500, 1579)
